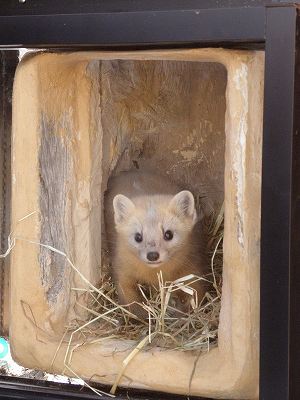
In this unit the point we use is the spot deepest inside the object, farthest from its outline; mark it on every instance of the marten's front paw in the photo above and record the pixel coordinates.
(180, 304)
(138, 311)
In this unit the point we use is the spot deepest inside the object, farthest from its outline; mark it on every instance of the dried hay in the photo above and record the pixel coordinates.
(196, 330)
(189, 331)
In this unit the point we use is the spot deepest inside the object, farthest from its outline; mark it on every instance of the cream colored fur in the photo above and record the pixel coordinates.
(148, 204)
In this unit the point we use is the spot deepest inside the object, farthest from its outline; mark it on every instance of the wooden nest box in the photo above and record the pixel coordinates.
(195, 115)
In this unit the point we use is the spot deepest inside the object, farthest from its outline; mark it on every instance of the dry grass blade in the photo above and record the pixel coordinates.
(127, 360)
(166, 327)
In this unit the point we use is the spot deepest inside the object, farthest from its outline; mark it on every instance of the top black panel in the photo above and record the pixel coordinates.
(38, 7)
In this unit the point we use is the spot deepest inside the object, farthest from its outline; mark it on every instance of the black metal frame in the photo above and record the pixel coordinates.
(272, 25)
(280, 240)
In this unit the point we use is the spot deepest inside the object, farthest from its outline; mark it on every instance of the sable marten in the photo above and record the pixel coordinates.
(152, 226)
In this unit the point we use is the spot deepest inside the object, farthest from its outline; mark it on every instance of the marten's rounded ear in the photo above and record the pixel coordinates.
(123, 207)
(183, 205)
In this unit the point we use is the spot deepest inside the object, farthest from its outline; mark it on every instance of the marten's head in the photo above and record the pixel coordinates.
(155, 228)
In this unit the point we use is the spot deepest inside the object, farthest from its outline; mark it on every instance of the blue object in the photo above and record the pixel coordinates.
(3, 348)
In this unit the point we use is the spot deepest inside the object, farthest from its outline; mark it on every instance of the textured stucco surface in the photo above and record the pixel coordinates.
(96, 128)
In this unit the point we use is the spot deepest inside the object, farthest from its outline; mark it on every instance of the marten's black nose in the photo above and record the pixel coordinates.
(153, 256)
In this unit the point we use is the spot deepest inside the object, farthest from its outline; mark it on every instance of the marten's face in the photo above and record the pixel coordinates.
(155, 232)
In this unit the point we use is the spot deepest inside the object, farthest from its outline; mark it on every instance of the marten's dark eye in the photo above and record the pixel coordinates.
(168, 235)
(138, 237)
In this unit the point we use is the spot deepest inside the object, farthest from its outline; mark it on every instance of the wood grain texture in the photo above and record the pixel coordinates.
(167, 117)
(55, 172)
